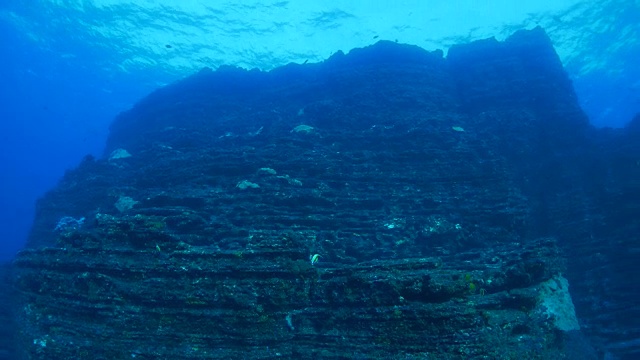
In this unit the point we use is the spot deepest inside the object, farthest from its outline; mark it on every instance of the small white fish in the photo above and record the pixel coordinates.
(314, 258)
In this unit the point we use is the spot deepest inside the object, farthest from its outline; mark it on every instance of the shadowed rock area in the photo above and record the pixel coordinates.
(441, 195)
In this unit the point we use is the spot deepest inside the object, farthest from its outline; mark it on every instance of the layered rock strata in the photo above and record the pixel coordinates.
(387, 203)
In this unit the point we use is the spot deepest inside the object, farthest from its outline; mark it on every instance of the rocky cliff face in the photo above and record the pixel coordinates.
(387, 203)
(604, 242)
(7, 310)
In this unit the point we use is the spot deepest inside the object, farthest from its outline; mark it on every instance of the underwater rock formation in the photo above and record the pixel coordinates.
(7, 330)
(438, 194)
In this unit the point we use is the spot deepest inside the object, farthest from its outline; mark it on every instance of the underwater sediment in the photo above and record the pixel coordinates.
(386, 203)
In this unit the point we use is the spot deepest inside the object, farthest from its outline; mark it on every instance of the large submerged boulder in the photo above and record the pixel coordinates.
(386, 203)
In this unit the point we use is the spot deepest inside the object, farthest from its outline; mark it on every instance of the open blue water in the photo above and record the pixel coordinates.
(68, 67)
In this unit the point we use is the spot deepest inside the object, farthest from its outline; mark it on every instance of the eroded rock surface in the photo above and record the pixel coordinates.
(439, 194)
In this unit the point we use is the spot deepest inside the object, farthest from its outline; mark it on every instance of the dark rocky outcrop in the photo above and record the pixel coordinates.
(7, 310)
(604, 243)
(439, 194)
